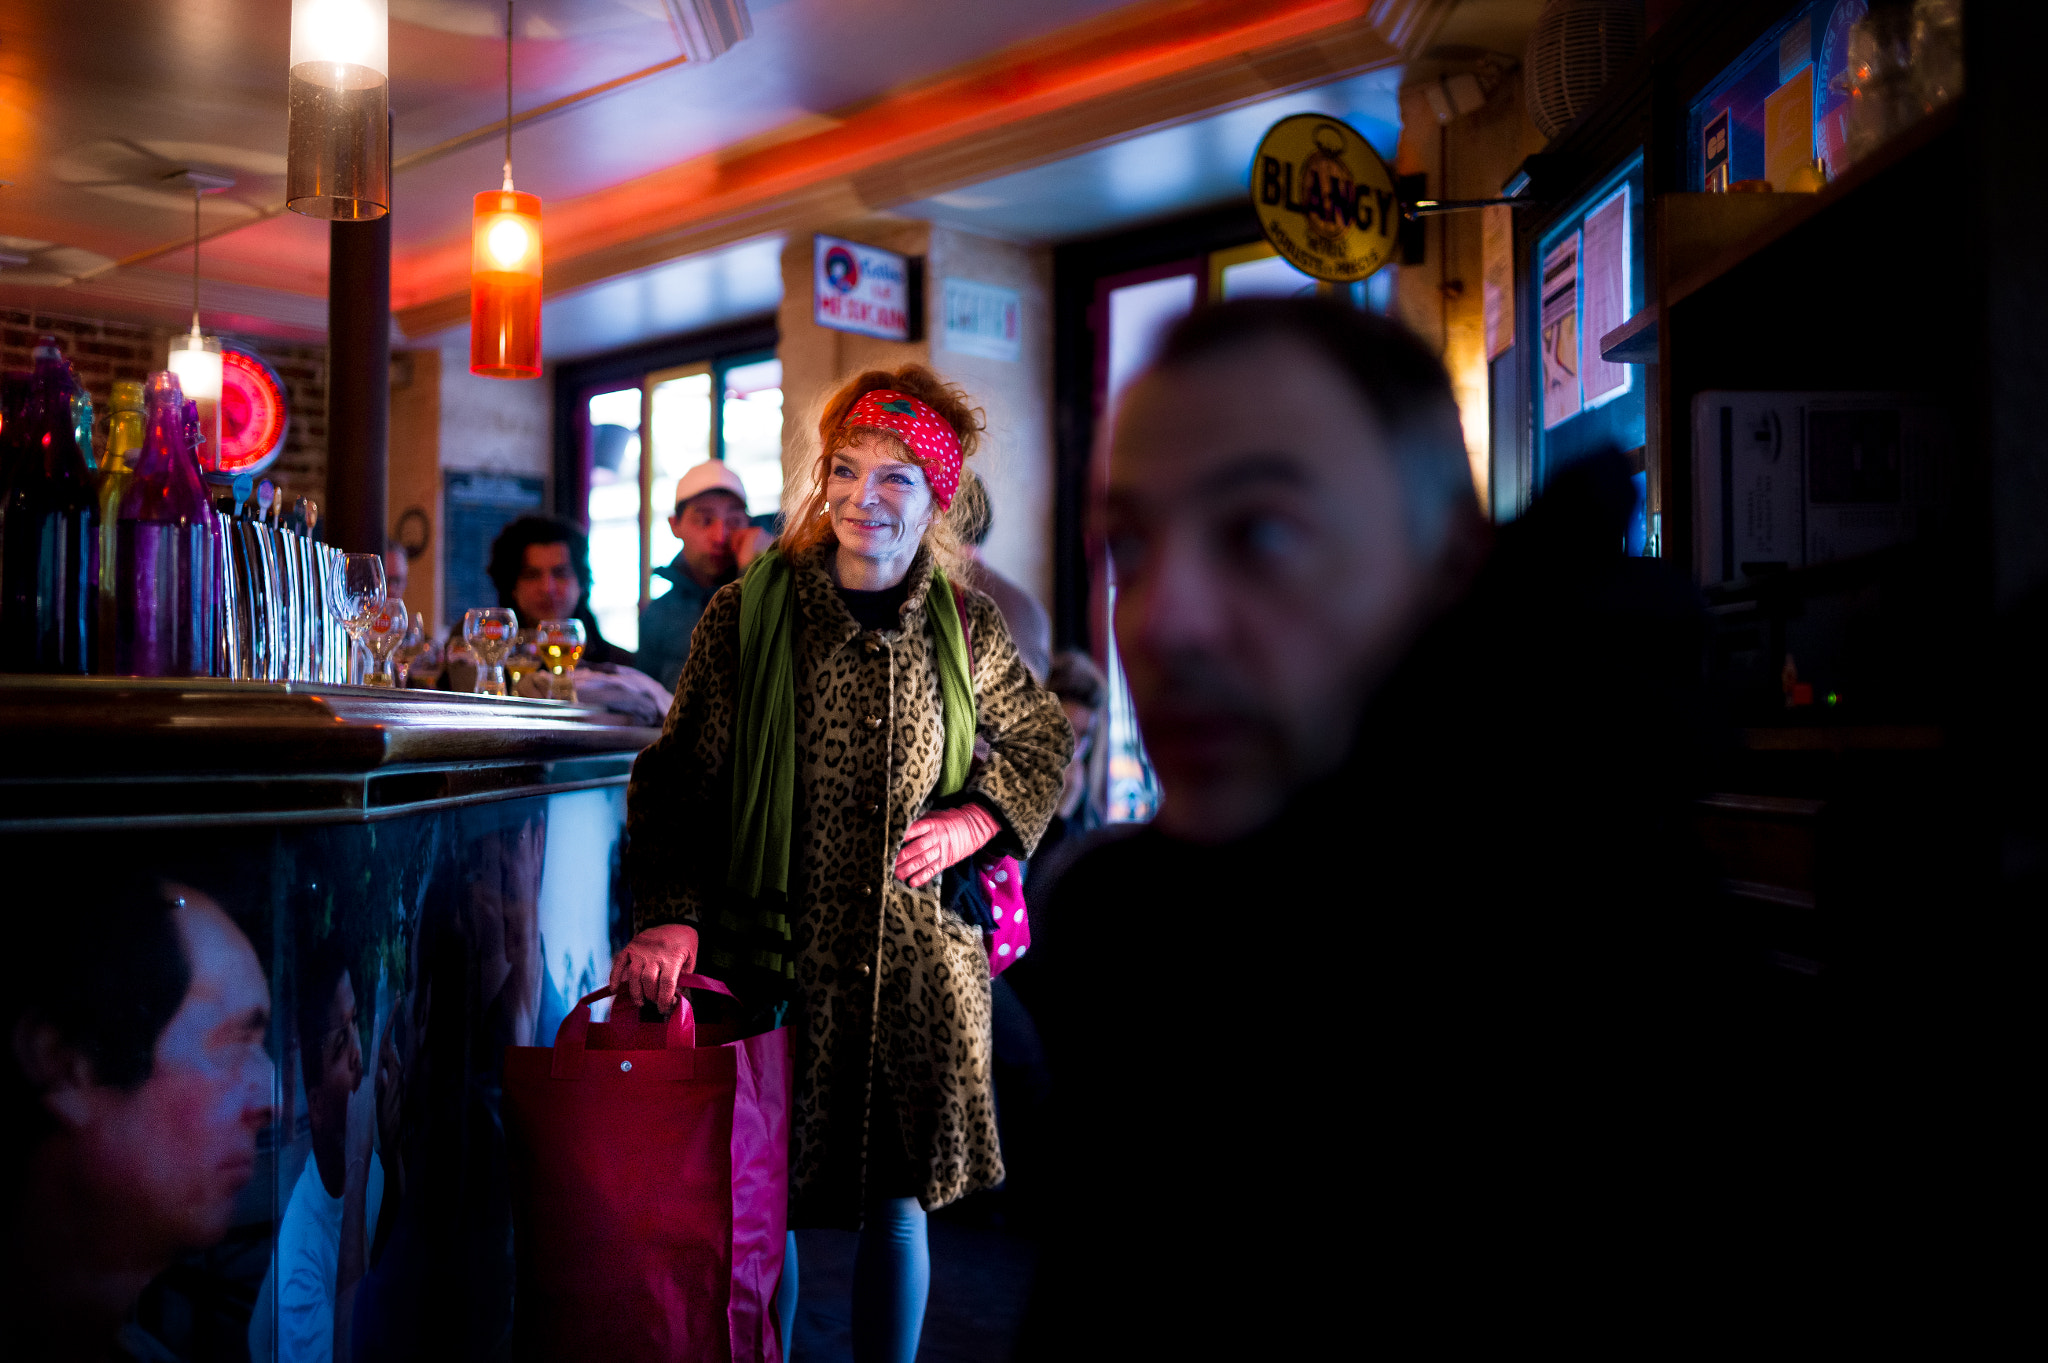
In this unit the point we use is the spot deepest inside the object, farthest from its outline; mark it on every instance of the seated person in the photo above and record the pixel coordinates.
(135, 1084)
(718, 543)
(541, 568)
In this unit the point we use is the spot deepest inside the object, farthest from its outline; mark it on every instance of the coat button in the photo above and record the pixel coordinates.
(865, 969)
(874, 721)
(625, 1067)
(873, 646)
(873, 809)
(866, 891)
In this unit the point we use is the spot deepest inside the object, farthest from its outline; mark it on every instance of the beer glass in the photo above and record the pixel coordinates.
(384, 633)
(488, 630)
(561, 646)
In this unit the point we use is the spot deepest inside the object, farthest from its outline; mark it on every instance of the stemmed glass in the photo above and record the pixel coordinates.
(355, 592)
(523, 659)
(488, 630)
(385, 632)
(561, 646)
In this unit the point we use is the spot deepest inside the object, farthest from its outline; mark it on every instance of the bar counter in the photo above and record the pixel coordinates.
(425, 878)
(92, 751)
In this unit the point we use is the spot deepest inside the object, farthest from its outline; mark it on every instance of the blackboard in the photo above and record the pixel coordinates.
(479, 505)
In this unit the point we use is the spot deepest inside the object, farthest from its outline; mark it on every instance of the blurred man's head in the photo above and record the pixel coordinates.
(1288, 502)
(710, 517)
(397, 568)
(330, 1056)
(137, 1072)
(541, 568)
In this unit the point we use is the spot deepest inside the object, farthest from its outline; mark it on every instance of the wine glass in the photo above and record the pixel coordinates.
(355, 591)
(488, 630)
(561, 647)
(385, 631)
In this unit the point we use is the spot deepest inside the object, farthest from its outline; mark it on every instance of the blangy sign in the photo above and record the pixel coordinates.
(1325, 198)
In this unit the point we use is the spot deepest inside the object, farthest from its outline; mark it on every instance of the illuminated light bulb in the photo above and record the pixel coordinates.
(507, 242)
(196, 360)
(338, 148)
(504, 286)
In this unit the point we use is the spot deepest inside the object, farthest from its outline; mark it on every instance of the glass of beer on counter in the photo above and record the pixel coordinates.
(385, 632)
(488, 630)
(523, 661)
(561, 648)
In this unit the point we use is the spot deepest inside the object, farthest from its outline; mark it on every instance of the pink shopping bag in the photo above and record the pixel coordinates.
(650, 1174)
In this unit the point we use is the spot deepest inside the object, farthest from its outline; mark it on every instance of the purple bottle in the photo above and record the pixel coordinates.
(163, 550)
(49, 529)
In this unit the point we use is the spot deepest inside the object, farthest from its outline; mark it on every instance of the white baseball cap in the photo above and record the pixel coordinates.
(713, 475)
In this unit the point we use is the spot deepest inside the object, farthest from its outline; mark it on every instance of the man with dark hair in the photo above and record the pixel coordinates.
(1421, 939)
(541, 568)
(136, 1082)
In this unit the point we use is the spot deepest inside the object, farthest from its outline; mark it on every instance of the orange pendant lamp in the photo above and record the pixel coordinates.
(504, 268)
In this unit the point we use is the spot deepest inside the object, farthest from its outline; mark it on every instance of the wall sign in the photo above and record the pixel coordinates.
(1325, 198)
(981, 319)
(253, 413)
(478, 504)
(862, 289)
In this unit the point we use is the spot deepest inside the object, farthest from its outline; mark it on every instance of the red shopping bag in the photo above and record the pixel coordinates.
(650, 1179)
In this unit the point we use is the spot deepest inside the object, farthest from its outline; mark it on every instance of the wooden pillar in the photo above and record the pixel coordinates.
(358, 383)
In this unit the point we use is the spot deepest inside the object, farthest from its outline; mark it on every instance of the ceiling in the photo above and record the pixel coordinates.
(1188, 166)
(831, 107)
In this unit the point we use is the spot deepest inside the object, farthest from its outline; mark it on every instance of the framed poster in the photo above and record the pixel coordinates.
(1604, 279)
(1561, 396)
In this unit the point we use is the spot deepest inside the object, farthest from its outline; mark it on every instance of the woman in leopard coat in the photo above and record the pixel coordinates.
(875, 944)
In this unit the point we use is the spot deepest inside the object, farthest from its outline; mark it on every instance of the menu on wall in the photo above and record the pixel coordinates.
(1560, 326)
(1604, 271)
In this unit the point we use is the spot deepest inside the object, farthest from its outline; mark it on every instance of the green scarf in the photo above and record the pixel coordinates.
(764, 746)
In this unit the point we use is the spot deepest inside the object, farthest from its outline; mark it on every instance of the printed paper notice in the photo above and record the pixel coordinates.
(1604, 272)
(980, 319)
(1560, 323)
(1788, 129)
(1497, 254)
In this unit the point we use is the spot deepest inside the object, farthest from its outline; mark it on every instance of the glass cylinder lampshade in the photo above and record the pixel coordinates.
(338, 150)
(504, 286)
(196, 360)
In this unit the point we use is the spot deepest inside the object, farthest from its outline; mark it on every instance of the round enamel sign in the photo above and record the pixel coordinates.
(1325, 198)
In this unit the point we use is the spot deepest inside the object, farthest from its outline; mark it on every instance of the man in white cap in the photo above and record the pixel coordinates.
(718, 543)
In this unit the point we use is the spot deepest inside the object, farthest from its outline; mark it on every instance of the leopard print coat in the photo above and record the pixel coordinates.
(892, 987)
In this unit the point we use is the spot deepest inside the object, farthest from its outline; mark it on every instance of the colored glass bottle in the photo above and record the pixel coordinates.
(49, 531)
(164, 560)
(125, 424)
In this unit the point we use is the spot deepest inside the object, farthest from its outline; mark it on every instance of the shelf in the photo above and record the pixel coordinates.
(1634, 341)
(1762, 220)
(1844, 738)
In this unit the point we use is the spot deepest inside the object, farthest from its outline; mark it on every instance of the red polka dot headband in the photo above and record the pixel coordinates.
(930, 436)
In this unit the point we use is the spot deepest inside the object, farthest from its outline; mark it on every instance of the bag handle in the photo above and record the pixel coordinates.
(572, 1038)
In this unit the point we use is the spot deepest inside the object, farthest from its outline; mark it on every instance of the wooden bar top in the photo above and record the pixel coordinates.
(98, 750)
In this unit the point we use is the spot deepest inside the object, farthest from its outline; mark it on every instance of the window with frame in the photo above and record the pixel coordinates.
(645, 431)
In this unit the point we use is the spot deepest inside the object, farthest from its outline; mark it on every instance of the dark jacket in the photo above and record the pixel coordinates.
(667, 622)
(1428, 1024)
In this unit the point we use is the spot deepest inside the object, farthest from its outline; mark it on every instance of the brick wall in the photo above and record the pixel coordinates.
(105, 352)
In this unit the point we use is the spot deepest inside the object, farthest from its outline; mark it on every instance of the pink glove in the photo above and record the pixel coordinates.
(942, 839)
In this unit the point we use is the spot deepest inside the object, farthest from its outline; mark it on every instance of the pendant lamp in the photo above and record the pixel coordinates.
(338, 151)
(504, 268)
(195, 357)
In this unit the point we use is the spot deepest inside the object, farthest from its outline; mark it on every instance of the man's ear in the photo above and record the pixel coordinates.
(59, 1071)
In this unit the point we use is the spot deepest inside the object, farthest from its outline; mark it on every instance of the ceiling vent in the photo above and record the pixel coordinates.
(1574, 50)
